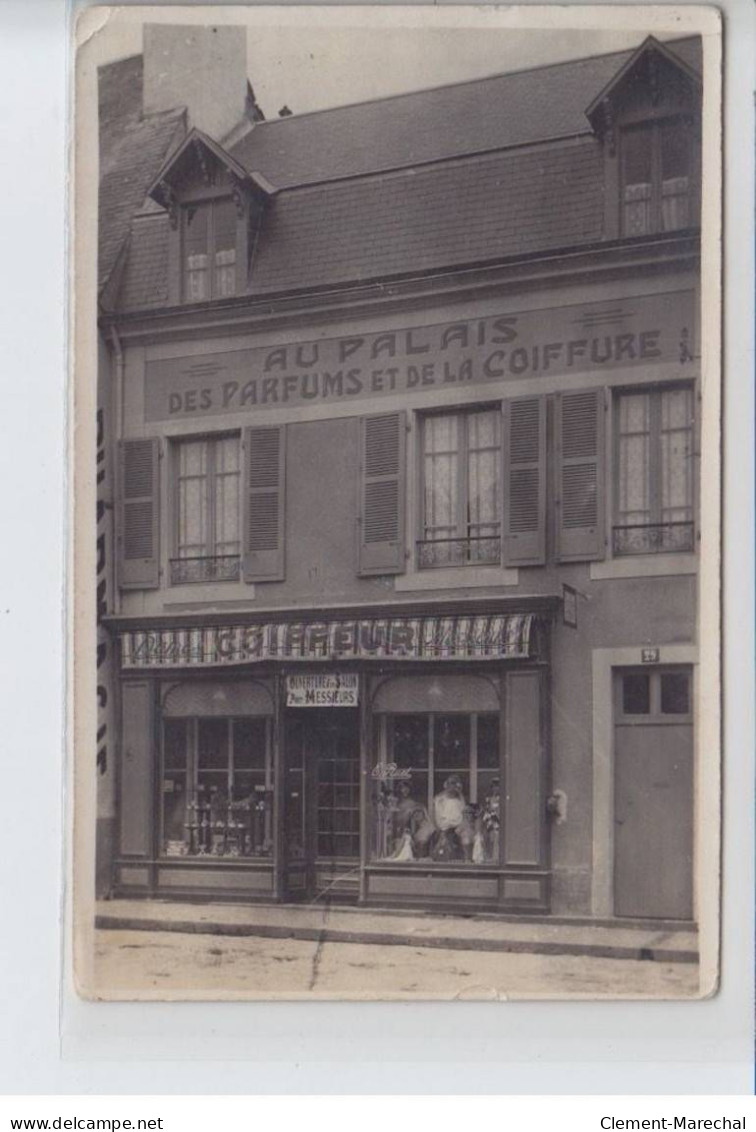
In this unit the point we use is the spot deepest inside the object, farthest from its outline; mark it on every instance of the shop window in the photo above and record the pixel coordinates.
(208, 511)
(217, 788)
(656, 178)
(436, 796)
(654, 432)
(461, 470)
(209, 250)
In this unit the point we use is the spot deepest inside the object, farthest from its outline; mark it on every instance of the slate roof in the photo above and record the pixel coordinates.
(499, 112)
(431, 180)
(132, 149)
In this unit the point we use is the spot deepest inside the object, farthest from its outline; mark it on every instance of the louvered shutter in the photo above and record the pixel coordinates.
(525, 481)
(139, 514)
(382, 462)
(264, 497)
(580, 476)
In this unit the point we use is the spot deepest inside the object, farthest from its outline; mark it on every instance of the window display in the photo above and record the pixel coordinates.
(436, 796)
(217, 788)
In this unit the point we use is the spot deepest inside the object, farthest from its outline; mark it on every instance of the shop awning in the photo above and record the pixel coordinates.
(486, 637)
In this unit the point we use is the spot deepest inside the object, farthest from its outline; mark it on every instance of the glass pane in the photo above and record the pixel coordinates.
(454, 818)
(224, 219)
(636, 693)
(636, 153)
(227, 506)
(441, 469)
(675, 150)
(675, 693)
(484, 474)
(408, 740)
(676, 453)
(294, 816)
(175, 744)
(488, 818)
(488, 743)
(175, 814)
(402, 828)
(212, 744)
(249, 744)
(452, 742)
(192, 499)
(634, 491)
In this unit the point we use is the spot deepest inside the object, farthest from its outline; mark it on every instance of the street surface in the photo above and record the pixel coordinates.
(155, 965)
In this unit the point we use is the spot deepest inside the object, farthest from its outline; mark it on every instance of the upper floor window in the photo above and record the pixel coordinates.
(208, 509)
(209, 250)
(461, 470)
(654, 471)
(656, 178)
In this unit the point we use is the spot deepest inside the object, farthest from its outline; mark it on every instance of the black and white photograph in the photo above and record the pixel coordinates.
(396, 650)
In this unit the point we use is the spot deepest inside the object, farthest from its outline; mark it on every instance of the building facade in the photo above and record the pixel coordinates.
(404, 406)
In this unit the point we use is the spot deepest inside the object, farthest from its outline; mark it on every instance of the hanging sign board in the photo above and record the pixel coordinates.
(333, 689)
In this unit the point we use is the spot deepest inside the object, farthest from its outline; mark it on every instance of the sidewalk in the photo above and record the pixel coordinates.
(327, 924)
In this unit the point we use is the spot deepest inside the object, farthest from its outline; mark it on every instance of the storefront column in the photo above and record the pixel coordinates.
(365, 733)
(278, 740)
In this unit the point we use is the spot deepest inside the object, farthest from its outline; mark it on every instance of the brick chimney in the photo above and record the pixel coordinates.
(201, 68)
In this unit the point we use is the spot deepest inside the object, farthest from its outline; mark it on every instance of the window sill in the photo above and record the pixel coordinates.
(456, 577)
(645, 566)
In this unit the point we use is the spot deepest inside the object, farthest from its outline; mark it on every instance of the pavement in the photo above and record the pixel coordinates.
(384, 928)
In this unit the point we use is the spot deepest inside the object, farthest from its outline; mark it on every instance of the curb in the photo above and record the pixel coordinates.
(399, 939)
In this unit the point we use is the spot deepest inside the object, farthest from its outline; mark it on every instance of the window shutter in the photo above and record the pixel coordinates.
(525, 481)
(580, 476)
(264, 496)
(382, 463)
(139, 514)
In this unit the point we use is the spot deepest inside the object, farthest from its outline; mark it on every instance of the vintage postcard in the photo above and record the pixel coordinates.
(396, 387)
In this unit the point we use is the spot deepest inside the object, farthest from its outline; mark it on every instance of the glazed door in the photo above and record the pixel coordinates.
(653, 794)
(323, 818)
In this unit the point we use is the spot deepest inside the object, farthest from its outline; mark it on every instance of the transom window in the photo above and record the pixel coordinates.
(461, 488)
(208, 508)
(656, 178)
(209, 250)
(654, 471)
(663, 695)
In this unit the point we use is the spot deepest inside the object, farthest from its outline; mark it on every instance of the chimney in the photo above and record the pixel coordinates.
(201, 68)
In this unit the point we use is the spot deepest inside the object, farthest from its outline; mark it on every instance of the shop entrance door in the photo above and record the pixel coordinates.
(653, 794)
(323, 802)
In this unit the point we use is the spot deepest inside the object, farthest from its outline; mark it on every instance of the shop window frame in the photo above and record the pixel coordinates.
(384, 752)
(191, 772)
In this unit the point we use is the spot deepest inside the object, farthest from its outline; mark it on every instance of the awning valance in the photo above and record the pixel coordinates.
(487, 637)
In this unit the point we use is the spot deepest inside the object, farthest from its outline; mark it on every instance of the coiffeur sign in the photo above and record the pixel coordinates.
(605, 336)
(423, 638)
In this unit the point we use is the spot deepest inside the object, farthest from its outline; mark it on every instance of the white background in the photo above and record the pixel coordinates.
(153, 1049)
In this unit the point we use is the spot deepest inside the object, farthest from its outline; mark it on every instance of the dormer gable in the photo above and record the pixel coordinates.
(215, 207)
(648, 118)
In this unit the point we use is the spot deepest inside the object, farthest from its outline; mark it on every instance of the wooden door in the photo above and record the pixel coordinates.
(653, 794)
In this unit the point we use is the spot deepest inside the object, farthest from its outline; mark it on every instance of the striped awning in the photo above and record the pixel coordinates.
(489, 637)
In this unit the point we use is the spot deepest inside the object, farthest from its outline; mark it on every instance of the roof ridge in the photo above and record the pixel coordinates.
(461, 82)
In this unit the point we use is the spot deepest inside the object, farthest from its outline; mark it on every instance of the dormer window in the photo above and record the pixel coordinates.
(209, 250)
(656, 177)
